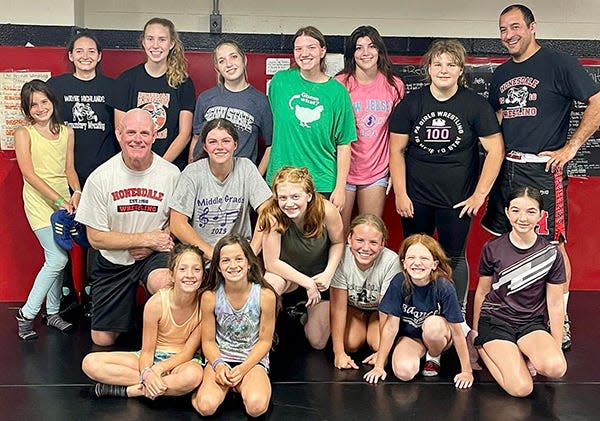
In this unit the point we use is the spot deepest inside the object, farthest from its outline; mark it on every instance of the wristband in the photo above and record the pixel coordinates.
(77, 191)
(216, 362)
(144, 374)
(58, 202)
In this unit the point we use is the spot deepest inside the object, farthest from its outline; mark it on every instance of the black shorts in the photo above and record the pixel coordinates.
(232, 364)
(491, 328)
(553, 188)
(114, 291)
(298, 296)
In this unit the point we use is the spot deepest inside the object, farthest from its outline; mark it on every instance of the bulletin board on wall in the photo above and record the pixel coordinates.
(21, 255)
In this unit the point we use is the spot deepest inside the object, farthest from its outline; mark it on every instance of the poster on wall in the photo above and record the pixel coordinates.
(587, 161)
(10, 104)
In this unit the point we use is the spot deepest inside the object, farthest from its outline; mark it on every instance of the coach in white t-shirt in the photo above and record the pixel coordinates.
(124, 206)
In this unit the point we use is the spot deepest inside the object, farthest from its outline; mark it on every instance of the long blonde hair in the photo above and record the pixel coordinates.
(315, 209)
(238, 48)
(177, 71)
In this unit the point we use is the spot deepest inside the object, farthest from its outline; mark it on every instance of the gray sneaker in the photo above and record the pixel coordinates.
(25, 327)
(102, 390)
(59, 323)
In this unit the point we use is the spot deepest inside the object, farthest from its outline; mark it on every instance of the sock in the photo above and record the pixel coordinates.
(566, 301)
(428, 357)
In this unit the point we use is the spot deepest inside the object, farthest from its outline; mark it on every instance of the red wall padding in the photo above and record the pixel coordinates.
(21, 255)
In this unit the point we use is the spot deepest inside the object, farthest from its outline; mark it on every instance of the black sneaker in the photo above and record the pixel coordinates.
(103, 390)
(296, 312)
(25, 327)
(275, 342)
(566, 337)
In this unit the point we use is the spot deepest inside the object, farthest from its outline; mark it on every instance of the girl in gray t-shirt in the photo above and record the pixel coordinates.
(360, 281)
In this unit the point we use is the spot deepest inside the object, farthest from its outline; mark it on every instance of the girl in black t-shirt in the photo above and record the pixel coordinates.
(434, 156)
(162, 87)
(86, 98)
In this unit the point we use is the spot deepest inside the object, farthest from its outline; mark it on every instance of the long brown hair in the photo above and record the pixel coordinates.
(215, 277)
(443, 269)
(217, 123)
(384, 63)
(311, 31)
(84, 34)
(315, 209)
(42, 87)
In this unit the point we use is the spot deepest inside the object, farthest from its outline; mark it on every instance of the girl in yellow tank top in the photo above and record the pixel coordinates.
(44, 150)
(168, 363)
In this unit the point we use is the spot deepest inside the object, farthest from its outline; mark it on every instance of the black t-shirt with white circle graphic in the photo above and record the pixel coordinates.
(442, 157)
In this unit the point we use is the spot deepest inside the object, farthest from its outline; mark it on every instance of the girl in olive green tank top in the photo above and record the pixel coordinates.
(303, 243)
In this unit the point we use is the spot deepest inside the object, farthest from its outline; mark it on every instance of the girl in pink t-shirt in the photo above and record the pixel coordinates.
(374, 92)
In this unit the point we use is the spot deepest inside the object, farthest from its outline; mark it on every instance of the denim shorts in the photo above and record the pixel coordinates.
(162, 355)
(382, 182)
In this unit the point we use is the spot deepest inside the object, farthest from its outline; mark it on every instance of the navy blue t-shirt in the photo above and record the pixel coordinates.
(436, 298)
(536, 96)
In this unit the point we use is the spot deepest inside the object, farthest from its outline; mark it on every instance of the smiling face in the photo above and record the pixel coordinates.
(233, 263)
(366, 243)
(230, 64)
(516, 36)
(188, 272)
(308, 54)
(85, 55)
(444, 72)
(419, 263)
(366, 55)
(136, 135)
(293, 200)
(157, 43)
(524, 214)
(219, 145)
(41, 108)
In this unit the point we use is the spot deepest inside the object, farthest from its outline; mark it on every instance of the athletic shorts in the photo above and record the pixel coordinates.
(491, 328)
(160, 356)
(382, 182)
(114, 291)
(518, 171)
(298, 296)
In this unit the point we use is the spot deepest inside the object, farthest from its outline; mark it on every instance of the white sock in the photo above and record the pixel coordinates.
(430, 358)
(566, 301)
(465, 328)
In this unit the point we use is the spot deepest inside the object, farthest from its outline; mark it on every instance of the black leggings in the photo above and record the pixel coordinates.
(452, 234)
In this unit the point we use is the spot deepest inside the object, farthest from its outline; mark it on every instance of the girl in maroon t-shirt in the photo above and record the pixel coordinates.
(520, 289)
